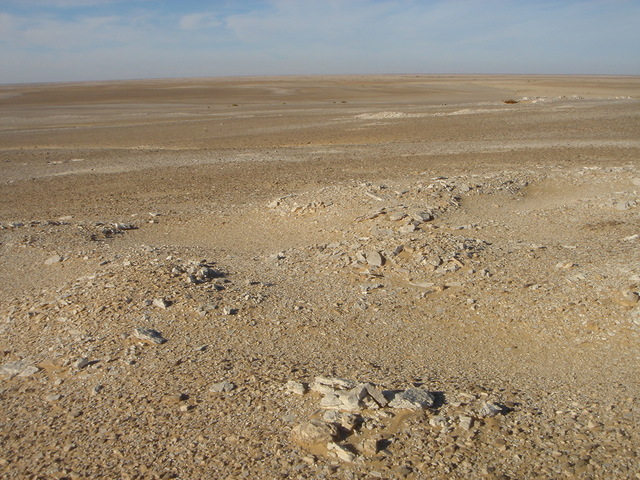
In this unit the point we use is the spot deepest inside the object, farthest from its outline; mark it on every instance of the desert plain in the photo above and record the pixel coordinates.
(241, 277)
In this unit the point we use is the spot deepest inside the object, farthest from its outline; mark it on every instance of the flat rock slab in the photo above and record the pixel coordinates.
(149, 335)
(411, 399)
(313, 433)
(20, 368)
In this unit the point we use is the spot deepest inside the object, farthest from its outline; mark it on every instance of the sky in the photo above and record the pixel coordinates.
(78, 40)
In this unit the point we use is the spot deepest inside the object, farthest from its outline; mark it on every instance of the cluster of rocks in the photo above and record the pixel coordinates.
(358, 420)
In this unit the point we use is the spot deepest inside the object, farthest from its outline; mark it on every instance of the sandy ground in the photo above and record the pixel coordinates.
(414, 232)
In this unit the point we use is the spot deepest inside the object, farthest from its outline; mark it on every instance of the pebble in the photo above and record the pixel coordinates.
(375, 259)
(490, 409)
(124, 226)
(222, 387)
(439, 421)
(174, 398)
(149, 335)
(422, 216)
(296, 387)
(161, 303)
(466, 422)
(81, 363)
(52, 260)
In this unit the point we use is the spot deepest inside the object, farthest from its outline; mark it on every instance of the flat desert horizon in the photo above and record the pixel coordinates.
(356, 276)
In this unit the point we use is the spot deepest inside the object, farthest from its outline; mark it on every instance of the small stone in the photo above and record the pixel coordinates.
(397, 216)
(52, 398)
(313, 433)
(490, 409)
(371, 446)
(161, 303)
(439, 421)
(149, 335)
(229, 311)
(53, 259)
(466, 422)
(376, 394)
(296, 388)
(172, 399)
(422, 216)
(81, 363)
(410, 228)
(222, 387)
(412, 399)
(375, 259)
(124, 226)
(341, 452)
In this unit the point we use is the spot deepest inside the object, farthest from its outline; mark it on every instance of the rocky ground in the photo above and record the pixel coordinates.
(327, 289)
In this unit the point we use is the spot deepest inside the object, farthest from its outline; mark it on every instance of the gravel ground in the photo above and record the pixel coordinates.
(167, 273)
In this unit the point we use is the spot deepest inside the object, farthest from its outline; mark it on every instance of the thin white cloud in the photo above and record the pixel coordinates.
(196, 21)
(62, 3)
(313, 36)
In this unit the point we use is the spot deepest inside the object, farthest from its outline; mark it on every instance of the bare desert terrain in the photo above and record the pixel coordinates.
(349, 277)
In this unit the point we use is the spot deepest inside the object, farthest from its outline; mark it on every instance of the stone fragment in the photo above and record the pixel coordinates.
(124, 226)
(422, 216)
(53, 259)
(439, 421)
(18, 367)
(174, 398)
(149, 335)
(297, 388)
(375, 259)
(466, 422)
(412, 399)
(346, 420)
(376, 394)
(349, 400)
(490, 409)
(341, 452)
(397, 216)
(81, 363)
(312, 433)
(161, 303)
(410, 228)
(331, 400)
(222, 387)
(371, 446)
(52, 398)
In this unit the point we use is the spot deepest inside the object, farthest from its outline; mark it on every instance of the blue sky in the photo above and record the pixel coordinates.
(74, 40)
